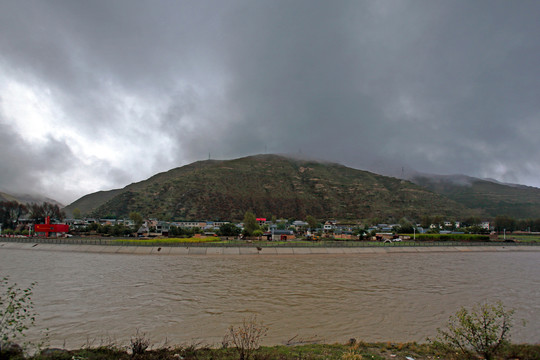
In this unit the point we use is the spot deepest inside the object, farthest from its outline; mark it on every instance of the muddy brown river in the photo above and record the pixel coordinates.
(87, 298)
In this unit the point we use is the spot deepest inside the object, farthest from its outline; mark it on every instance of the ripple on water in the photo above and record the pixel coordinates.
(379, 297)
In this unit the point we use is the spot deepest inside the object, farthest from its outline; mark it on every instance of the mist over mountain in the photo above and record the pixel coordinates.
(490, 197)
(28, 198)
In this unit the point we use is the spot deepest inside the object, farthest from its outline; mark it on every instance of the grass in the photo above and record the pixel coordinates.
(451, 237)
(168, 240)
(523, 238)
(216, 241)
(360, 350)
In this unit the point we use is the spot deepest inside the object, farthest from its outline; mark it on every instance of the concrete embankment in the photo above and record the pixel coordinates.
(253, 250)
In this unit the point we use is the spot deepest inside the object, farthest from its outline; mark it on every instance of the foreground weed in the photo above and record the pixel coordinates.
(247, 337)
(139, 344)
(352, 353)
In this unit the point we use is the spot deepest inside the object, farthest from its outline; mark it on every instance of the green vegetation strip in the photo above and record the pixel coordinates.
(217, 242)
(164, 241)
(373, 351)
(451, 237)
(525, 238)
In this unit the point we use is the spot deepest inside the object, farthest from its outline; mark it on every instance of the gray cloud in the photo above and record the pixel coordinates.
(24, 164)
(436, 86)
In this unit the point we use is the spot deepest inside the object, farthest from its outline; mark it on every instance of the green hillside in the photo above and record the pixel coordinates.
(89, 203)
(492, 198)
(269, 185)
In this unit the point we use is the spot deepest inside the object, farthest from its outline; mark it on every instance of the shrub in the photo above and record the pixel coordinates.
(246, 338)
(483, 330)
(139, 344)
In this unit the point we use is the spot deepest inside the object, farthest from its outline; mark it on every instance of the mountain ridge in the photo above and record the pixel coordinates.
(492, 197)
(287, 186)
(269, 185)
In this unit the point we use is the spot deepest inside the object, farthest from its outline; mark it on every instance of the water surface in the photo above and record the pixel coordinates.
(88, 297)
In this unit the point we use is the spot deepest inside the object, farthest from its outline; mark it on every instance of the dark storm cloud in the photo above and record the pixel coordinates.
(23, 164)
(438, 86)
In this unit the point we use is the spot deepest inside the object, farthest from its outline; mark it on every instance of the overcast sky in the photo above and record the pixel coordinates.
(95, 95)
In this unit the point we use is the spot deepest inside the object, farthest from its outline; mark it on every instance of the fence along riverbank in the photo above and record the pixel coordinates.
(150, 248)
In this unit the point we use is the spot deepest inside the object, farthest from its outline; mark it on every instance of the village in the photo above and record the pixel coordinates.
(269, 229)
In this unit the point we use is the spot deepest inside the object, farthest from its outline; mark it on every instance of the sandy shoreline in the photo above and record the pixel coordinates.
(253, 250)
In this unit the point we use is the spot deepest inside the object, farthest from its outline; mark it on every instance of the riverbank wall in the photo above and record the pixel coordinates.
(254, 250)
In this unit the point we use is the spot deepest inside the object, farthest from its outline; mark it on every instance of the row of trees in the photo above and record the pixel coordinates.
(508, 223)
(12, 211)
(470, 224)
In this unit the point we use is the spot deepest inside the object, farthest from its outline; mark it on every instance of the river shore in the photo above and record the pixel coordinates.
(309, 351)
(190, 249)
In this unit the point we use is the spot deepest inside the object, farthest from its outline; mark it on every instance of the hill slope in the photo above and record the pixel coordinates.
(269, 185)
(89, 203)
(27, 198)
(491, 197)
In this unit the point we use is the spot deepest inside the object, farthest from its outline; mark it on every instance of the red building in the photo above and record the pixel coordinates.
(48, 228)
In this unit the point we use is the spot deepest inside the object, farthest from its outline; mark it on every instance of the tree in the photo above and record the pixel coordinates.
(476, 230)
(38, 212)
(53, 211)
(536, 225)
(258, 233)
(16, 311)
(472, 221)
(503, 222)
(312, 222)
(76, 213)
(136, 218)
(282, 224)
(438, 221)
(250, 223)
(120, 230)
(175, 231)
(426, 221)
(229, 229)
(10, 212)
(482, 330)
(405, 226)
